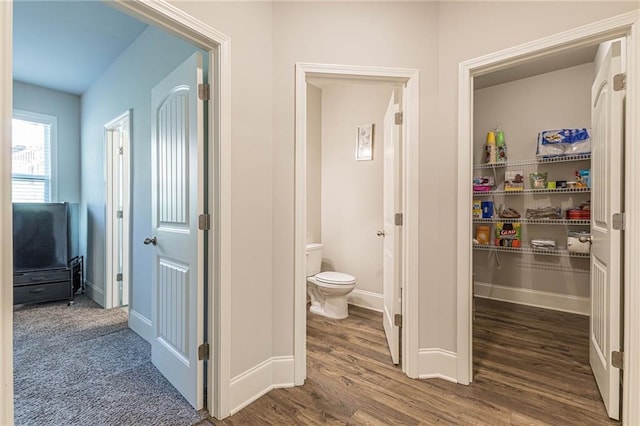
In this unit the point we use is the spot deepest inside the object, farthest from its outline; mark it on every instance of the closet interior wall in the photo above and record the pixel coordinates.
(522, 108)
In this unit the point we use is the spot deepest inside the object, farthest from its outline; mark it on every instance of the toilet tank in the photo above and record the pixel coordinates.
(314, 258)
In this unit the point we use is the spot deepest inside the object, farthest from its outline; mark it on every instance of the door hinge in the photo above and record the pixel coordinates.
(203, 351)
(398, 219)
(120, 150)
(119, 214)
(619, 82)
(204, 92)
(397, 320)
(618, 221)
(399, 117)
(204, 222)
(118, 277)
(617, 359)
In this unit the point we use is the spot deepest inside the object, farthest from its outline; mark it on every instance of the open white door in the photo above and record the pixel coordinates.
(606, 257)
(392, 239)
(117, 134)
(177, 182)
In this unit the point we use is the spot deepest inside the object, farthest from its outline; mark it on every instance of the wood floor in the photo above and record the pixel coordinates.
(531, 368)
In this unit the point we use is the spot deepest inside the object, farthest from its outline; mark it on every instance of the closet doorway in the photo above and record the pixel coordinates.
(605, 305)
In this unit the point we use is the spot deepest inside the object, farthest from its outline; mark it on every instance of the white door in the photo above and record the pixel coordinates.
(606, 277)
(177, 186)
(392, 239)
(118, 174)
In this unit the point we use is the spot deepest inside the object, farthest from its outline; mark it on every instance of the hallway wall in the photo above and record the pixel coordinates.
(268, 39)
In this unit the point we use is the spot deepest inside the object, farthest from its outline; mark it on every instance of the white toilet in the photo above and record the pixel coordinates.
(328, 290)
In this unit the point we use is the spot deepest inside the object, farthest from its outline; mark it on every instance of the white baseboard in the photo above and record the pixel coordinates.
(366, 299)
(438, 363)
(141, 325)
(541, 299)
(276, 372)
(94, 292)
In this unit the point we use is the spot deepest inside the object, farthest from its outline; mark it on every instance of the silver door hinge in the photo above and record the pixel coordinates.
(398, 219)
(204, 222)
(617, 359)
(618, 221)
(120, 150)
(619, 82)
(203, 351)
(399, 117)
(397, 320)
(118, 277)
(119, 214)
(204, 92)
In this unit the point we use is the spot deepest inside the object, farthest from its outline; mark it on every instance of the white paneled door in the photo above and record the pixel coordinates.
(177, 175)
(607, 189)
(392, 239)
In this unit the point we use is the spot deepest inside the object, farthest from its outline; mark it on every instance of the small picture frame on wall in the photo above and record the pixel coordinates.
(364, 142)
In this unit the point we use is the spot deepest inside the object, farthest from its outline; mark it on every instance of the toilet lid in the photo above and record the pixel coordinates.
(331, 277)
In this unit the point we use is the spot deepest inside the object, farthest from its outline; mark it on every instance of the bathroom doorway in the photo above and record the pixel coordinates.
(340, 191)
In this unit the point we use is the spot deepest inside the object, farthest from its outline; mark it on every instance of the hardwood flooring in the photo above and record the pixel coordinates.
(531, 367)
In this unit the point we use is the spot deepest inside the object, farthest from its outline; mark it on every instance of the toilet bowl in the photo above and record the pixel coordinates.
(327, 290)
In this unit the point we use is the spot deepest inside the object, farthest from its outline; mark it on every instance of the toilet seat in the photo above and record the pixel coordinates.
(336, 278)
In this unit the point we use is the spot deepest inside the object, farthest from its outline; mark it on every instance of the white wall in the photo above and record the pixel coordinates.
(388, 34)
(66, 107)
(554, 100)
(126, 84)
(314, 164)
(253, 105)
(267, 40)
(464, 34)
(352, 190)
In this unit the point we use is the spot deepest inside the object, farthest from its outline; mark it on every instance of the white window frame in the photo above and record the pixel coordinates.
(52, 122)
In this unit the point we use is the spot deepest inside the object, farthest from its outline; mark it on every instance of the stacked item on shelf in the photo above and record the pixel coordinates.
(507, 234)
(496, 148)
(514, 180)
(583, 211)
(483, 235)
(557, 143)
(579, 242)
(538, 180)
(483, 183)
(544, 213)
(508, 213)
(543, 244)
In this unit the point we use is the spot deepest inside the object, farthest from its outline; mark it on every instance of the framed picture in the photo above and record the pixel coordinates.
(364, 142)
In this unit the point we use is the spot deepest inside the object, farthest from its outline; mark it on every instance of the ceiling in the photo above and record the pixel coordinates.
(544, 64)
(66, 45)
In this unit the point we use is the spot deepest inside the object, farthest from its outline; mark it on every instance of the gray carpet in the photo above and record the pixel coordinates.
(81, 365)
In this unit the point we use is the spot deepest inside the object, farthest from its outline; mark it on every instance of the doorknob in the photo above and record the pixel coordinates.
(380, 234)
(152, 240)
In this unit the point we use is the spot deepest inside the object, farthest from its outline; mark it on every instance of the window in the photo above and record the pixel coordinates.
(33, 137)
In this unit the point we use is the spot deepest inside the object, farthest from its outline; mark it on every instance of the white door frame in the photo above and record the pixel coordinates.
(410, 138)
(177, 22)
(626, 25)
(112, 288)
(6, 214)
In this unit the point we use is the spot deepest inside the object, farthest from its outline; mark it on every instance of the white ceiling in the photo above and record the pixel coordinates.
(541, 65)
(66, 45)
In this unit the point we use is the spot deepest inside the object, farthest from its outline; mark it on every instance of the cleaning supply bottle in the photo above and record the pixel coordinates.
(491, 149)
(501, 147)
